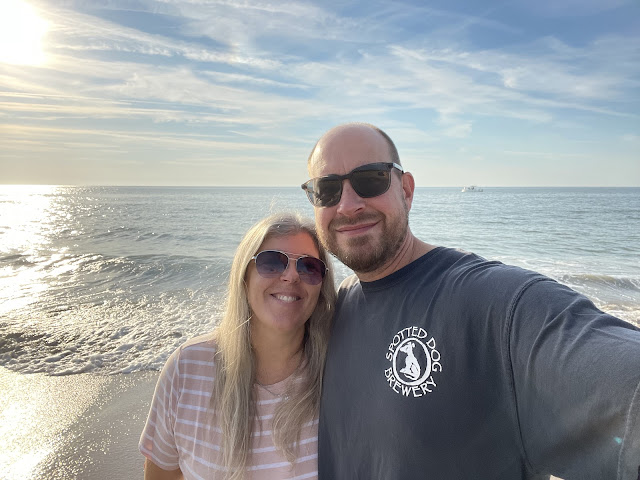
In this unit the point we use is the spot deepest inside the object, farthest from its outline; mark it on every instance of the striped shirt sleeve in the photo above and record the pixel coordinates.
(157, 441)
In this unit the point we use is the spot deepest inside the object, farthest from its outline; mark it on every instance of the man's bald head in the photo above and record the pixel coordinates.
(363, 130)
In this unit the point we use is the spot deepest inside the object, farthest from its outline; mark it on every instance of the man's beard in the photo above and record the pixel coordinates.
(367, 253)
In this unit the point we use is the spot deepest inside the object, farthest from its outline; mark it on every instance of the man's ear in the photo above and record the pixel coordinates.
(408, 187)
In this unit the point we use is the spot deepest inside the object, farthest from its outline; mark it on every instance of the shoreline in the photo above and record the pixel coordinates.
(75, 427)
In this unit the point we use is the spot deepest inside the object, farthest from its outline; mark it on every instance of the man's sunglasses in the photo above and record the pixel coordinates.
(367, 181)
(273, 263)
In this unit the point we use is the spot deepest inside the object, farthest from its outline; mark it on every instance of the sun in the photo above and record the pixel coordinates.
(21, 32)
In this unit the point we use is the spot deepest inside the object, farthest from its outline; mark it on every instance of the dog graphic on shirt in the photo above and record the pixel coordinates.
(411, 366)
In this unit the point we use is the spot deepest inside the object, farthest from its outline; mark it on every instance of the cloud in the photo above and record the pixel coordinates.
(226, 74)
(402, 75)
(546, 155)
(458, 131)
(572, 8)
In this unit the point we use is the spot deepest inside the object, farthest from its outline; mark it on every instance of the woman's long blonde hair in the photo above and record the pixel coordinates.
(233, 398)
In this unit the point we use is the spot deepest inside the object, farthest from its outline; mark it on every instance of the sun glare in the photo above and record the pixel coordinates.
(21, 32)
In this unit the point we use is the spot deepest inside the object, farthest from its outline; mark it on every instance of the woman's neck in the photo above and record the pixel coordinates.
(276, 360)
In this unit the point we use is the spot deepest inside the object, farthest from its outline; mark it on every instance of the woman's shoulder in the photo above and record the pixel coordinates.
(197, 348)
(205, 341)
(188, 375)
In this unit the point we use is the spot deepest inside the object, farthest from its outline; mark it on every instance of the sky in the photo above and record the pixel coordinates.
(237, 92)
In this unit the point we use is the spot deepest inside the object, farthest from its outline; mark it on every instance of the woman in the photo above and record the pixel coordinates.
(242, 401)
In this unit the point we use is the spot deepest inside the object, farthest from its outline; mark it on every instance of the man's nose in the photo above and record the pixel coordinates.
(350, 202)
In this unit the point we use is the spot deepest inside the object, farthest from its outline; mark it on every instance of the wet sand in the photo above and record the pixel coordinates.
(76, 427)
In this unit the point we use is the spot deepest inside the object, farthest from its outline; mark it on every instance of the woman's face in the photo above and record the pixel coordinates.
(283, 304)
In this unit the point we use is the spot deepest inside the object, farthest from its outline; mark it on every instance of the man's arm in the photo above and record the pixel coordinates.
(154, 472)
(576, 373)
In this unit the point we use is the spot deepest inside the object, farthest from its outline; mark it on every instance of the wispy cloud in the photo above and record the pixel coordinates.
(228, 76)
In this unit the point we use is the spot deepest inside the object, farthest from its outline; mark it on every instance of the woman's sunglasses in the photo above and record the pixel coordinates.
(367, 181)
(273, 263)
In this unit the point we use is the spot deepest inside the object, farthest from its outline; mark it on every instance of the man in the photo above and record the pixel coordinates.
(445, 366)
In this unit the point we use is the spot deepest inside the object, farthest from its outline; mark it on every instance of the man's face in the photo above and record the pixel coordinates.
(363, 233)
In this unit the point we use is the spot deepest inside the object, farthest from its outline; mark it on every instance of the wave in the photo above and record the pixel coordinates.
(64, 314)
(631, 284)
(617, 295)
(15, 260)
(136, 269)
(114, 331)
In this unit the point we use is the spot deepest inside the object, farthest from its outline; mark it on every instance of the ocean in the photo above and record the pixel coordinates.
(111, 280)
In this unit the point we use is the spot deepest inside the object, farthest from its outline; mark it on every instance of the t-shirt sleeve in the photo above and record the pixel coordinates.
(576, 376)
(157, 441)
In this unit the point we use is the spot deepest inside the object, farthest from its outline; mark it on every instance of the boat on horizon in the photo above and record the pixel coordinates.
(471, 188)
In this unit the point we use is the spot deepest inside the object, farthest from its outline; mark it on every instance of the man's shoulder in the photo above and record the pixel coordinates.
(460, 262)
(460, 275)
(349, 282)
(447, 267)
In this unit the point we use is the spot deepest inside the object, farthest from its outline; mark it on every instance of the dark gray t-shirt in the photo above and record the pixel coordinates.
(456, 368)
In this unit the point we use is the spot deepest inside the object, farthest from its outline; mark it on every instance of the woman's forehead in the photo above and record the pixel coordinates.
(296, 244)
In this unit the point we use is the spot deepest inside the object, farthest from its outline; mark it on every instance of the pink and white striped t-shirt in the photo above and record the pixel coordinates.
(181, 430)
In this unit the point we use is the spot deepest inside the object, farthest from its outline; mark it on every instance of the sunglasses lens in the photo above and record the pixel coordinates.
(271, 264)
(371, 182)
(311, 270)
(327, 191)
(367, 181)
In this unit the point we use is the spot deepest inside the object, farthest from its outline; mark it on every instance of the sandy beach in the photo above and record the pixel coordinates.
(77, 427)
